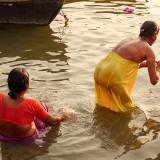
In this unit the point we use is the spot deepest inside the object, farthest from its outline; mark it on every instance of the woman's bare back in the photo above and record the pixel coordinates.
(10, 129)
(135, 50)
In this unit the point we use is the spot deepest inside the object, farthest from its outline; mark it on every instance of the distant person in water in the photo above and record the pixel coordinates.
(116, 73)
(20, 116)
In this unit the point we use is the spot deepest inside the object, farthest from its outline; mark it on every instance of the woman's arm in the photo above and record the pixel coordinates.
(152, 67)
(52, 121)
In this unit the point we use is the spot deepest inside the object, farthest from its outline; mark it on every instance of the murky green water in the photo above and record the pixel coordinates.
(61, 59)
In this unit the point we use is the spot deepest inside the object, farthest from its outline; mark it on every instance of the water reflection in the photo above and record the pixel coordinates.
(35, 48)
(99, 1)
(38, 43)
(30, 150)
(115, 6)
(128, 130)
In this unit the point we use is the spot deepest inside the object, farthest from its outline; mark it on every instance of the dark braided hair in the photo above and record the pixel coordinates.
(148, 29)
(18, 82)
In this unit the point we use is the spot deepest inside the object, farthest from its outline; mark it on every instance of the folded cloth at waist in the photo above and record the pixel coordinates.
(11, 139)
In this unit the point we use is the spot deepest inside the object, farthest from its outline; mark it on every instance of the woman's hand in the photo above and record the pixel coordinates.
(55, 120)
(65, 116)
(143, 64)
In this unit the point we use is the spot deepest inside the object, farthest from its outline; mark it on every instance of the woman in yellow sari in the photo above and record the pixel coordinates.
(116, 73)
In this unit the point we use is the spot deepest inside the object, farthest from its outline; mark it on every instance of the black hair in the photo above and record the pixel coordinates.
(18, 82)
(148, 29)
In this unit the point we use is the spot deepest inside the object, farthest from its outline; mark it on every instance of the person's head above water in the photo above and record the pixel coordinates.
(18, 82)
(148, 29)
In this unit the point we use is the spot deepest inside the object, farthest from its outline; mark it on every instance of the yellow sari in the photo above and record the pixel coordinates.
(114, 79)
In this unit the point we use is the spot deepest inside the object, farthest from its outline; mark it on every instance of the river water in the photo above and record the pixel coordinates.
(61, 59)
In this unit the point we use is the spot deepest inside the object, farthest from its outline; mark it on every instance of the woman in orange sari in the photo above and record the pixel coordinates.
(20, 116)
